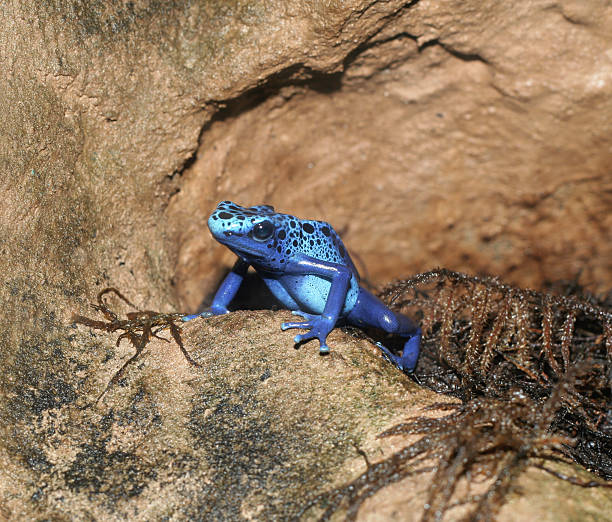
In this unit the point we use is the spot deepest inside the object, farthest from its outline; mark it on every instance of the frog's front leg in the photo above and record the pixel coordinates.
(226, 292)
(369, 311)
(320, 325)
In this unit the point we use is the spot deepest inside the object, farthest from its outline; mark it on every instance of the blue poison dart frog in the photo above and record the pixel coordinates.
(308, 269)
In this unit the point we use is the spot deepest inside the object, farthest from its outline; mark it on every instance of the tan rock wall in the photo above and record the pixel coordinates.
(464, 135)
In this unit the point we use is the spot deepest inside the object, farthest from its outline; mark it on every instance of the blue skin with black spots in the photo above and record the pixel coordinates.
(308, 269)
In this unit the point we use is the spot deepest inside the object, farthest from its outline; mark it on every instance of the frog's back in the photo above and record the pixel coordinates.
(317, 239)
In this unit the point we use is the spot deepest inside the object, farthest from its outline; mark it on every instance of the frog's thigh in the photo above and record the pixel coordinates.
(281, 294)
(371, 311)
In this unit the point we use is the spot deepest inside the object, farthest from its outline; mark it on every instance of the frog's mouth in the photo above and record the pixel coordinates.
(251, 253)
(239, 249)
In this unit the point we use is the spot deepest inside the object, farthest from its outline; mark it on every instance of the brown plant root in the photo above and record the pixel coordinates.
(533, 372)
(139, 328)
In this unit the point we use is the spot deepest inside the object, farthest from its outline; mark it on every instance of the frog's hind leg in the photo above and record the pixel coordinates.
(369, 311)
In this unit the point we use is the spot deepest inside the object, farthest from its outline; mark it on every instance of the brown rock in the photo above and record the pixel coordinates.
(459, 133)
(469, 136)
(254, 433)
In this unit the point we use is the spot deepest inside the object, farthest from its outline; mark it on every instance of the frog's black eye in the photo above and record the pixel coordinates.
(263, 231)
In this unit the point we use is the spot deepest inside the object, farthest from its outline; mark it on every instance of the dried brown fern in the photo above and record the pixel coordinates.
(535, 331)
(139, 328)
(534, 372)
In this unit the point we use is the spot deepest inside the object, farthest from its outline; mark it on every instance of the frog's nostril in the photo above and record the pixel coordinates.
(228, 233)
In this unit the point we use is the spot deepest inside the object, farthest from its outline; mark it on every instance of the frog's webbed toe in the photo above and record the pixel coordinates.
(205, 313)
(318, 325)
(407, 360)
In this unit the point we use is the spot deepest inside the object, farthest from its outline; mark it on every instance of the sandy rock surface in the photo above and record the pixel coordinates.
(254, 433)
(474, 135)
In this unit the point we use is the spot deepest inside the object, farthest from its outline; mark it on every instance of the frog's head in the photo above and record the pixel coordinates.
(256, 234)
